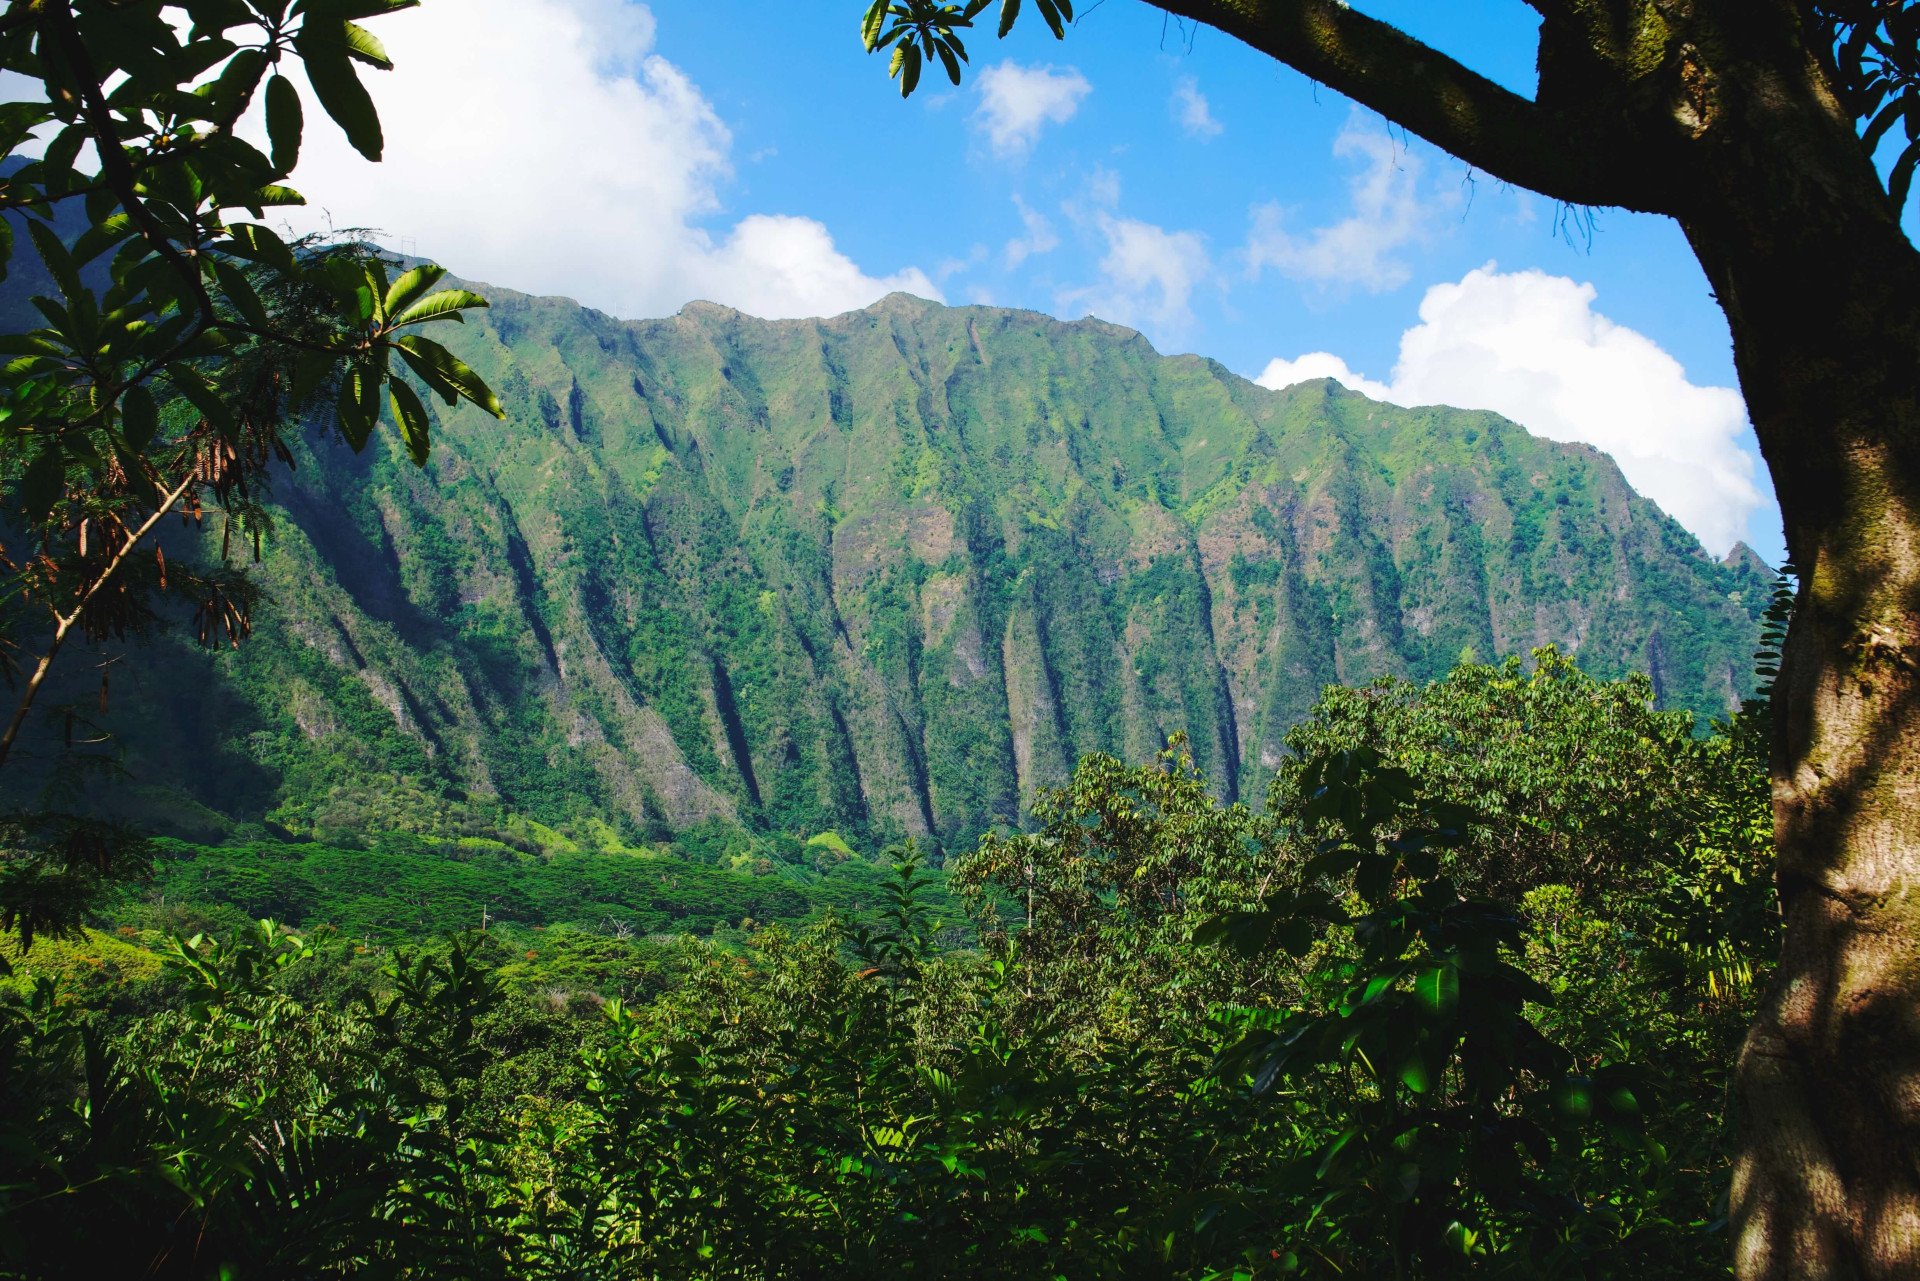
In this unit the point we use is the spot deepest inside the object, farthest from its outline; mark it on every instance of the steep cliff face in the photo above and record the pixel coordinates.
(889, 572)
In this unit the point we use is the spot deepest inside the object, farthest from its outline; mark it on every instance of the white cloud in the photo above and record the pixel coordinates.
(1190, 109)
(543, 145)
(1040, 237)
(1320, 364)
(1148, 275)
(1530, 346)
(1389, 213)
(1017, 102)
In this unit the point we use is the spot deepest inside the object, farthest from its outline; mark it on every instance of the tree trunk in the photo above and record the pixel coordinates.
(1822, 291)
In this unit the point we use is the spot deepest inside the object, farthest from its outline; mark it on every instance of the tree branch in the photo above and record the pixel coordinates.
(63, 623)
(1597, 157)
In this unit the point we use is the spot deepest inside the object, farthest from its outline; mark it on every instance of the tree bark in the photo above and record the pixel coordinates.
(1822, 293)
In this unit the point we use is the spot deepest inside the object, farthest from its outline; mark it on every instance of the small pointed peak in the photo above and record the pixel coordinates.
(1744, 557)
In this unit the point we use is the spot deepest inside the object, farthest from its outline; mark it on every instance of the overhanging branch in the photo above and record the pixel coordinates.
(1597, 158)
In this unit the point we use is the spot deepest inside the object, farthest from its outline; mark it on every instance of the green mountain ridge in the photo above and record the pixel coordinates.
(884, 574)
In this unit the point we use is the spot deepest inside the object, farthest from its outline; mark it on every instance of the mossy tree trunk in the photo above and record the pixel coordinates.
(1723, 114)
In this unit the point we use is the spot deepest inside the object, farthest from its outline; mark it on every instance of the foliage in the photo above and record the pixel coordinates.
(163, 384)
(1873, 51)
(1193, 1041)
(409, 888)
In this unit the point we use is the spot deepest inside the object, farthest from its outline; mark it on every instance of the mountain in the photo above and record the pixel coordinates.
(884, 574)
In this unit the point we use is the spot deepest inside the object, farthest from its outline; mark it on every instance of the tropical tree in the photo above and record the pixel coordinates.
(1755, 124)
(173, 343)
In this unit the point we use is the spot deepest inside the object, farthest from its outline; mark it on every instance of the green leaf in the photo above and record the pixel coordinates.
(1438, 990)
(257, 243)
(237, 80)
(445, 305)
(59, 261)
(17, 120)
(359, 403)
(871, 25)
(411, 285)
(441, 370)
(345, 100)
(270, 196)
(44, 482)
(1295, 936)
(6, 246)
(1573, 1098)
(363, 46)
(239, 291)
(101, 237)
(284, 123)
(907, 59)
(310, 369)
(1009, 13)
(1335, 862)
(139, 420)
(412, 417)
(202, 397)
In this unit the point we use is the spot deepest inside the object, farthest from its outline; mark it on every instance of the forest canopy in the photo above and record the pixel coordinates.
(1344, 1030)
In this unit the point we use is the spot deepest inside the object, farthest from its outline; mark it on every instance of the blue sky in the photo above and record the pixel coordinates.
(639, 156)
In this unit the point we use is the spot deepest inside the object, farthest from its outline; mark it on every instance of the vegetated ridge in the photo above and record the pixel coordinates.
(885, 574)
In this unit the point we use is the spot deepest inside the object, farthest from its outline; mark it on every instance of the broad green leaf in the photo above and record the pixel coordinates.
(412, 417)
(202, 397)
(233, 88)
(1334, 862)
(411, 285)
(363, 46)
(139, 420)
(17, 120)
(59, 261)
(252, 241)
(1295, 936)
(441, 370)
(1573, 1098)
(268, 197)
(310, 370)
(345, 100)
(100, 237)
(284, 123)
(445, 305)
(872, 23)
(1438, 990)
(239, 291)
(43, 483)
(1009, 13)
(359, 403)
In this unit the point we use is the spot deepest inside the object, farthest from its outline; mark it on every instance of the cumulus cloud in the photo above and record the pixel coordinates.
(1191, 110)
(1359, 251)
(1017, 102)
(544, 145)
(1320, 364)
(1531, 347)
(1039, 237)
(1147, 276)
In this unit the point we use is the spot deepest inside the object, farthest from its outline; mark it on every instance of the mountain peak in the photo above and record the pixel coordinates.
(1744, 557)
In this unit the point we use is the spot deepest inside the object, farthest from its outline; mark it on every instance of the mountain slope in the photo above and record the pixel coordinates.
(888, 572)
